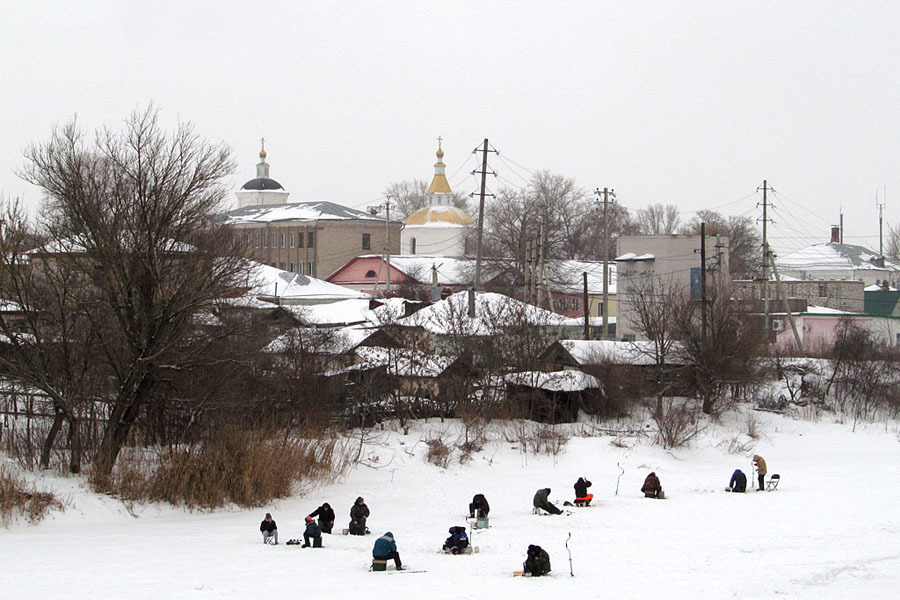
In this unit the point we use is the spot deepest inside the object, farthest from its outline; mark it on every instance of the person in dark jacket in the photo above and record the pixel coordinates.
(359, 512)
(479, 507)
(542, 501)
(313, 532)
(582, 498)
(385, 548)
(652, 487)
(738, 482)
(326, 517)
(269, 530)
(537, 562)
(457, 541)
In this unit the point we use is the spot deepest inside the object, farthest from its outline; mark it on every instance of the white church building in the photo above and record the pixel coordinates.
(439, 228)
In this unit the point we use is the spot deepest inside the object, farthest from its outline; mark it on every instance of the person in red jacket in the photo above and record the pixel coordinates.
(652, 487)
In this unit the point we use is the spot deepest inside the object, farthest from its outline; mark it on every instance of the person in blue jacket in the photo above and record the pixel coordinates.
(738, 482)
(385, 548)
(457, 542)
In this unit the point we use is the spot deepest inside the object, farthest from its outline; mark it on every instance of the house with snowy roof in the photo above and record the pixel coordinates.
(838, 261)
(312, 238)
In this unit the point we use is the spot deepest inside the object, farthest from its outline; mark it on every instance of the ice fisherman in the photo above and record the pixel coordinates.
(537, 562)
(479, 507)
(385, 548)
(652, 487)
(359, 512)
(312, 536)
(582, 498)
(326, 517)
(542, 501)
(457, 542)
(760, 463)
(269, 530)
(738, 482)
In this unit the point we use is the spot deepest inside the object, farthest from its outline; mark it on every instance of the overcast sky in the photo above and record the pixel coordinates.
(688, 103)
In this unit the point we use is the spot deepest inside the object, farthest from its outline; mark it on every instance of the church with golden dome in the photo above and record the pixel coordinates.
(439, 228)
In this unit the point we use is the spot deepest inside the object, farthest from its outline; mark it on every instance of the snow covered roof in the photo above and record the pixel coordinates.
(835, 256)
(567, 276)
(450, 270)
(632, 257)
(297, 211)
(593, 352)
(400, 363)
(440, 215)
(77, 245)
(350, 312)
(877, 288)
(321, 341)
(556, 381)
(269, 282)
(492, 313)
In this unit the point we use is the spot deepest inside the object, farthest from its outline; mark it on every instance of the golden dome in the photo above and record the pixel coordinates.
(440, 153)
(449, 215)
(262, 154)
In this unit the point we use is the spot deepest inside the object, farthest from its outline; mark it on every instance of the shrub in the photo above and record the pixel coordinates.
(676, 422)
(245, 467)
(439, 452)
(19, 497)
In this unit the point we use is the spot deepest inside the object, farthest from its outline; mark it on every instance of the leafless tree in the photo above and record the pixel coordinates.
(409, 196)
(131, 215)
(658, 219)
(744, 242)
(722, 355)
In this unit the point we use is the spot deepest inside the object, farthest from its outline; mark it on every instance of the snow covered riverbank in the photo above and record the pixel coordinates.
(830, 531)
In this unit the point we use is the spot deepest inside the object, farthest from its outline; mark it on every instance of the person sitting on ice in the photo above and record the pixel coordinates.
(479, 507)
(359, 512)
(738, 482)
(326, 517)
(652, 487)
(269, 530)
(537, 562)
(457, 541)
(385, 548)
(313, 534)
(542, 502)
(582, 498)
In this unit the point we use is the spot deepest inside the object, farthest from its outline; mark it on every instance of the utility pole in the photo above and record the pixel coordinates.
(703, 279)
(587, 311)
(484, 172)
(387, 241)
(606, 193)
(880, 206)
(765, 246)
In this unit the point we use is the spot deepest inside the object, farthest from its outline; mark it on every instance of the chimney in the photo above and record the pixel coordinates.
(885, 285)
(835, 234)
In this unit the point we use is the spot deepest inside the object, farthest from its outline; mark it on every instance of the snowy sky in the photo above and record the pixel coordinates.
(690, 103)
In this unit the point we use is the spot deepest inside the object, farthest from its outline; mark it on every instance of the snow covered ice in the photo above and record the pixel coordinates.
(830, 531)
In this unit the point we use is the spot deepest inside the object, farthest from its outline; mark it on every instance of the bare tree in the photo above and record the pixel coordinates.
(743, 240)
(658, 219)
(131, 214)
(722, 354)
(409, 196)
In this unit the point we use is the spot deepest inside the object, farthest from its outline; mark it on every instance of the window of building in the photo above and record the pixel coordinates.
(300, 239)
(412, 245)
(311, 239)
(309, 268)
(257, 240)
(273, 240)
(575, 303)
(265, 240)
(366, 241)
(282, 240)
(599, 309)
(370, 273)
(292, 267)
(292, 241)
